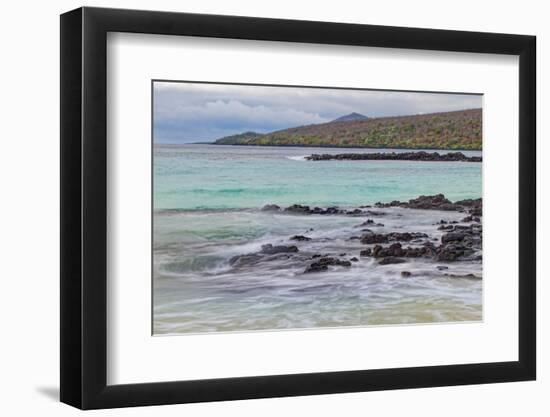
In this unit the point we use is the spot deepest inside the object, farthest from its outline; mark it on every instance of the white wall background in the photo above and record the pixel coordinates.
(29, 237)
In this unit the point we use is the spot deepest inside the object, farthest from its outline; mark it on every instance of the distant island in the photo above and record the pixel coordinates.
(448, 130)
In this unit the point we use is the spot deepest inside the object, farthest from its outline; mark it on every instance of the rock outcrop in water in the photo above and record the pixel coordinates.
(438, 202)
(300, 238)
(267, 252)
(460, 243)
(301, 209)
(371, 237)
(445, 241)
(324, 262)
(429, 202)
(396, 156)
(269, 249)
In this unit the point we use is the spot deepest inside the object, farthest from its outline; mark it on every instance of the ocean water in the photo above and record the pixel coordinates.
(206, 211)
(214, 176)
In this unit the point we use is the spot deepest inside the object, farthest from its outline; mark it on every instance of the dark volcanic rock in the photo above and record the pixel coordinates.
(269, 249)
(323, 263)
(470, 202)
(429, 202)
(367, 222)
(428, 250)
(271, 207)
(474, 206)
(301, 209)
(298, 208)
(391, 260)
(450, 253)
(391, 237)
(468, 276)
(453, 237)
(437, 202)
(393, 156)
(366, 252)
(374, 238)
(461, 243)
(476, 211)
(300, 238)
(264, 254)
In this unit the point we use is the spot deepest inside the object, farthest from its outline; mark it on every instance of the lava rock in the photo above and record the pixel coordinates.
(366, 252)
(323, 263)
(393, 156)
(271, 207)
(453, 237)
(300, 238)
(298, 208)
(388, 260)
(269, 249)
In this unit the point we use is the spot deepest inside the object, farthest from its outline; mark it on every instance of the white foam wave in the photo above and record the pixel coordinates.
(298, 157)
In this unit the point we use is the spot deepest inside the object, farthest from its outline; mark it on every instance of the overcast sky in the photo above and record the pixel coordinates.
(192, 112)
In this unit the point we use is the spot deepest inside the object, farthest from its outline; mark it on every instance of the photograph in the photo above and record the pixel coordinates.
(298, 207)
(285, 206)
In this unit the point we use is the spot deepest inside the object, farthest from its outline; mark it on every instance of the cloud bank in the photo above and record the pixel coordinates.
(193, 112)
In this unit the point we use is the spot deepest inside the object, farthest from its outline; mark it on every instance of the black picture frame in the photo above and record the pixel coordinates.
(84, 207)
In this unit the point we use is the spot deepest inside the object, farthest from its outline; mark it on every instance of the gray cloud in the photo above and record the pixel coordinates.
(190, 112)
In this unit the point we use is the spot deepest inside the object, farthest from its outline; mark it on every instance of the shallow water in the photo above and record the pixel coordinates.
(207, 201)
(214, 176)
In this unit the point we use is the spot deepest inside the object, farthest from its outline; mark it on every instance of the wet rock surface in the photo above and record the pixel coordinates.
(472, 207)
(439, 202)
(271, 250)
(391, 237)
(388, 260)
(271, 207)
(300, 238)
(303, 209)
(444, 242)
(324, 262)
(267, 252)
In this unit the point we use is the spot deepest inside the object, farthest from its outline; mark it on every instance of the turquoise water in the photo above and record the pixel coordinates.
(207, 201)
(213, 176)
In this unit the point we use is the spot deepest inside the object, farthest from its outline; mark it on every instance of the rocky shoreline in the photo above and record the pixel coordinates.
(444, 243)
(394, 156)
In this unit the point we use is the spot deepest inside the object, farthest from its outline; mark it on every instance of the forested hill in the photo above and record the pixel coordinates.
(450, 130)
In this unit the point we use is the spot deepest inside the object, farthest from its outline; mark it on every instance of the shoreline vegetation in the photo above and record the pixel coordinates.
(393, 156)
(445, 242)
(456, 130)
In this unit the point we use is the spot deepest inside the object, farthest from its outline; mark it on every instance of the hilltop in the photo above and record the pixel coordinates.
(449, 130)
(350, 117)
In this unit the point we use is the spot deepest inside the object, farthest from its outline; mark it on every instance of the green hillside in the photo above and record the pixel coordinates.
(450, 130)
(241, 138)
